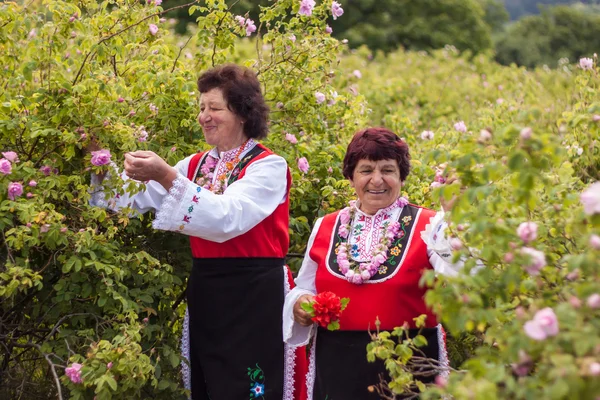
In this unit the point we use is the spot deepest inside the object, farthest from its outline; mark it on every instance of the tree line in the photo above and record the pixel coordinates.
(558, 31)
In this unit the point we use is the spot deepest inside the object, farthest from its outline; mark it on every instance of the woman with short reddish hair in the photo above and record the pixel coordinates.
(373, 252)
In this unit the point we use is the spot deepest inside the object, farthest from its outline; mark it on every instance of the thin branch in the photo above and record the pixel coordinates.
(179, 55)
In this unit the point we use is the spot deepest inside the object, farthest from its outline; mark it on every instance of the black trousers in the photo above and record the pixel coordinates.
(236, 347)
(342, 369)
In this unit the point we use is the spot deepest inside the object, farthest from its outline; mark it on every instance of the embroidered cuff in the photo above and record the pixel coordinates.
(435, 238)
(170, 204)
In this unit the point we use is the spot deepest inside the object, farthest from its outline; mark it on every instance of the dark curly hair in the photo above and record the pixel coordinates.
(241, 90)
(376, 144)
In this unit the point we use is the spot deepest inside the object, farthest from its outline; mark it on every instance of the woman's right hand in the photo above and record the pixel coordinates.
(301, 316)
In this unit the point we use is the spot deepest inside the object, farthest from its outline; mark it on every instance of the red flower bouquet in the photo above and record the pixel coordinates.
(325, 309)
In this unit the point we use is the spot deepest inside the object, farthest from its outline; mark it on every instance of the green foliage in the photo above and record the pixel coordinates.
(558, 33)
(79, 283)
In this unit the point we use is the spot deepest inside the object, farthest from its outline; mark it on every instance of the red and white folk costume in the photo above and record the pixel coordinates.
(338, 366)
(238, 281)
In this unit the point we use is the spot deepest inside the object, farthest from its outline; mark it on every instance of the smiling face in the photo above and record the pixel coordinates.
(222, 127)
(377, 184)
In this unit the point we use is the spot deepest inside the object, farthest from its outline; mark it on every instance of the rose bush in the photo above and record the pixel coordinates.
(100, 293)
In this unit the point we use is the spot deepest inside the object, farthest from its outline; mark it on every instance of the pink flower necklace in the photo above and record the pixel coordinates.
(208, 170)
(354, 271)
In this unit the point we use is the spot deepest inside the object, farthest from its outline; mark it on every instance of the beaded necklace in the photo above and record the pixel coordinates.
(208, 170)
(354, 271)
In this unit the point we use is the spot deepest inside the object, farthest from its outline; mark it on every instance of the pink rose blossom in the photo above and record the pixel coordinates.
(537, 260)
(240, 20)
(44, 228)
(594, 369)
(74, 373)
(595, 242)
(100, 157)
(573, 275)
(586, 63)
(173, 149)
(543, 325)
(293, 38)
(336, 10)
(153, 108)
(5, 166)
(291, 138)
(427, 135)
(15, 189)
(509, 257)
(357, 74)
(109, 365)
(526, 133)
(441, 381)
(64, 229)
(330, 170)
(590, 198)
(131, 113)
(527, 231)
(158, 2)
(460, 126)
(594, 301)
(523, 367)
(142, 136)
(328, 29)
(46, 170)
(303, 165)
(32, 183)
(32, 34)
(320, 97)
(575, 302)
(596, 118)
(120, 100)
(11, 156)
(29, 195)
(485, 135)
(153, 29)
(306, 7)
(456, 244)
(250, 27)
(28, 224)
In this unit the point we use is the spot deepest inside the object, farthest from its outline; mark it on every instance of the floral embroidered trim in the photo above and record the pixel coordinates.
(186, 372)
(443, 352)
(224, 169)
(312, 368)
(289, 352)
(257, 382)
(169, 204)
(355, 272)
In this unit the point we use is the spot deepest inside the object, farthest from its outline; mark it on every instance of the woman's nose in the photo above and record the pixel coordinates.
(377, 177)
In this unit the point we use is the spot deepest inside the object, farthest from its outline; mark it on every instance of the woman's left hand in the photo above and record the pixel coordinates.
(147, 165)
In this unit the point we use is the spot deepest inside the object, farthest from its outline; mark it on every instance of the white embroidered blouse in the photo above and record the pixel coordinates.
(365, 234)
(219, 217)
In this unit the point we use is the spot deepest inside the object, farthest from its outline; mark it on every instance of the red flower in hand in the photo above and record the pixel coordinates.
(325, 309)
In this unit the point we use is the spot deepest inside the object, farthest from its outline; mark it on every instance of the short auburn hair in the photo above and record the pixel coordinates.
(376, 144)
(241, 90)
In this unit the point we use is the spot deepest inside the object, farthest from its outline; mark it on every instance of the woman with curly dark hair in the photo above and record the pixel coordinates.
(373, 252)
(233, 203)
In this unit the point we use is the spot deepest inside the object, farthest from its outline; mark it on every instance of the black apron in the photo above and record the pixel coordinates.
(235, 321)
(342, 369)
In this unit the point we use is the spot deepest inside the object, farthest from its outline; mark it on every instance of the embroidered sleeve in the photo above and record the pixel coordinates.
(294, 333)
(143, 201)
(195, 211)
(439, 249)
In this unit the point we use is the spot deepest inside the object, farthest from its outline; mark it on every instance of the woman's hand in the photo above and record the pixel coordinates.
(146, 166)
(301, 316)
